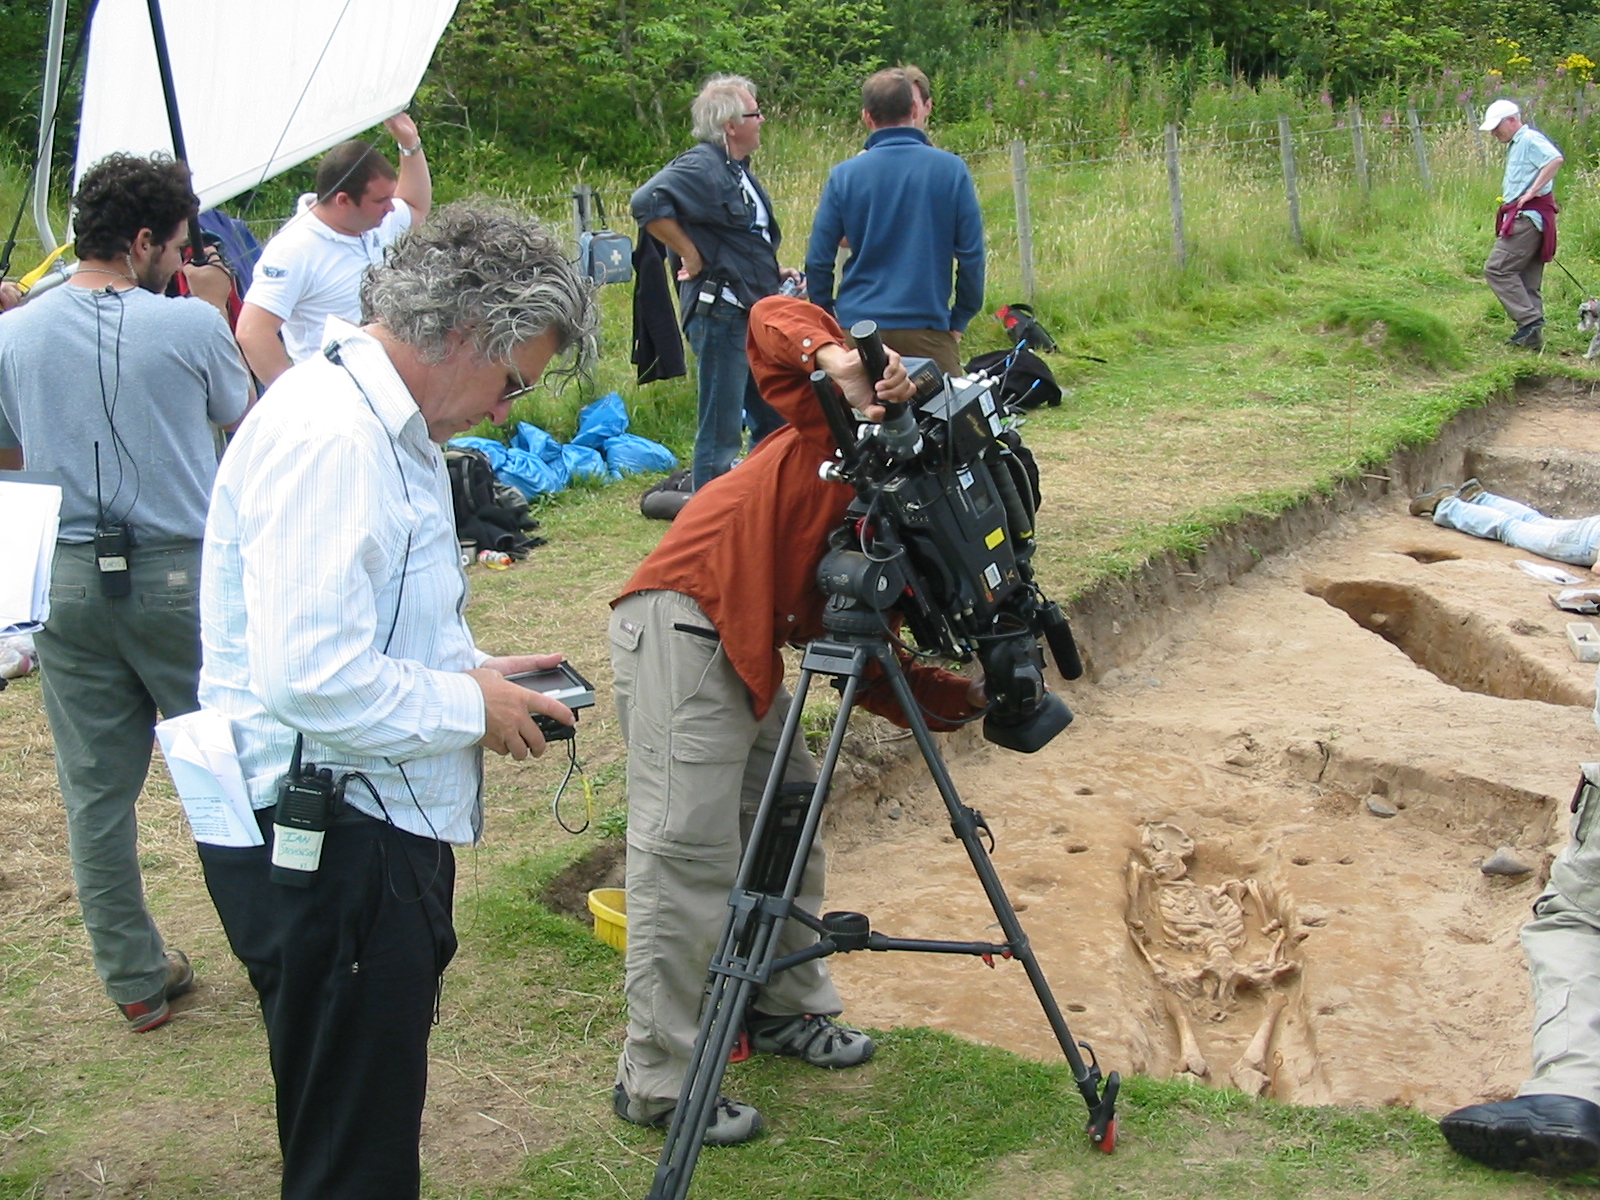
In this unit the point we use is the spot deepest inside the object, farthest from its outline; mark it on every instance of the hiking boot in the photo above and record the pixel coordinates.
(1470, 490)
(812, 1038)
(731, 1122)
(1530, 335)
(1551, 1134)
(145, 1015)
(1423, 505)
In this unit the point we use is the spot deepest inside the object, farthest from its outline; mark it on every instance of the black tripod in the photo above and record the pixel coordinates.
(763, 898)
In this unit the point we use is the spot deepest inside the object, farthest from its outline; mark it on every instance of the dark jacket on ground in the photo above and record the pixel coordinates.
(908, 211)
(700, 190)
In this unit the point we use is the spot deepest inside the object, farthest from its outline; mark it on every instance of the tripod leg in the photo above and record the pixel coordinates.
(965, 822)
(748, 945)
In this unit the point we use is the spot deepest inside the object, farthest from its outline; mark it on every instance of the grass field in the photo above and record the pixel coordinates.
(1251, 380)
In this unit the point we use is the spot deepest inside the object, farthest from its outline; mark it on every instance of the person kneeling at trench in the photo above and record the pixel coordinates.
(1553, 1124)
(1471, 509)
(696, 637)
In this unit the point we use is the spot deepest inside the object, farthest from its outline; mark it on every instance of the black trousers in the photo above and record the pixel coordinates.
(348, 973)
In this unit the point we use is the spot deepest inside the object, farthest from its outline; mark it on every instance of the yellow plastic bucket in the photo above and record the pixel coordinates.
(610, 909)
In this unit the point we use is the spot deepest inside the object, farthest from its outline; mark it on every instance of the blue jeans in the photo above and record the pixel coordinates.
(1499, 519)
(728, 396)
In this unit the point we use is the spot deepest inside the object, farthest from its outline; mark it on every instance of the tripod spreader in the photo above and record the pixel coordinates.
(763, 901)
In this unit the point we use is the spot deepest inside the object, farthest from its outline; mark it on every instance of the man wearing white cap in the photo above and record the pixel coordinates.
(1526, 223)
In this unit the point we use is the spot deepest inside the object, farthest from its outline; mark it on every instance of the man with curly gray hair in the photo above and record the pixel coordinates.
(333, 632)
(707, 206)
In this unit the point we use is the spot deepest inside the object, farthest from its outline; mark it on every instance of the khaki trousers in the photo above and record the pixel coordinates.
(697, 763)
(1515, 273)
(936, 344)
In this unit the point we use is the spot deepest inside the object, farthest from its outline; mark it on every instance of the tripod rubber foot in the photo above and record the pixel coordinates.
(1108, 1142)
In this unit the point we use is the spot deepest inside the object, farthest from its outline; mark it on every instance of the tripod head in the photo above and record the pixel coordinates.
(941, 533)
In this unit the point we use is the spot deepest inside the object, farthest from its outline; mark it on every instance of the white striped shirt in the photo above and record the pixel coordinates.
(330, 492)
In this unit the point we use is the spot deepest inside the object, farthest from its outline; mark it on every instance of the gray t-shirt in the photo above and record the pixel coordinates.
(144, 376)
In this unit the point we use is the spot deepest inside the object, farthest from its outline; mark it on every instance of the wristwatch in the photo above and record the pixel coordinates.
(408, 151)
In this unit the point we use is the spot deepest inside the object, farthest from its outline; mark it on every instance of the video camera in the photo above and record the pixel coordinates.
(941, 532)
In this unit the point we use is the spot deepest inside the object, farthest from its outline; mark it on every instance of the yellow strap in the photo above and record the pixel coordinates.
(33, 276)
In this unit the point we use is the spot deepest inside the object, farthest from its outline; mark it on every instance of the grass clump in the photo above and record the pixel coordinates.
(1398, 329)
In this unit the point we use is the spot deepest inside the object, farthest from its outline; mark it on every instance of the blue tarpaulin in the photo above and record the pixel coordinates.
(536, 464)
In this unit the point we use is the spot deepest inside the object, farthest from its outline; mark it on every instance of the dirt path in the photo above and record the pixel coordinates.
(1348, 732)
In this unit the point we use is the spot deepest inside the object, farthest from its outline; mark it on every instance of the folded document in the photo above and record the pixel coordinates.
(205, 769)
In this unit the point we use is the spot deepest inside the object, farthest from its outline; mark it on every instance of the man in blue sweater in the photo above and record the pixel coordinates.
(907, 212)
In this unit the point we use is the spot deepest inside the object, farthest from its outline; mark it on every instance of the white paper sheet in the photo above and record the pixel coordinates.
(1546, 573)
(205, 769)
(30, 515)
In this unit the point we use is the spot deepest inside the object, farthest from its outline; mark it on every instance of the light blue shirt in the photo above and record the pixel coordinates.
(1526, 156)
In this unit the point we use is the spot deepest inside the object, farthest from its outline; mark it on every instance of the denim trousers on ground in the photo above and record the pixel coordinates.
(728, 394)
(106, 667)
(1498, 519)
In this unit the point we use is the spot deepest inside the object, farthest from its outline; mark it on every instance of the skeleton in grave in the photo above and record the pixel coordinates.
(1192, 936)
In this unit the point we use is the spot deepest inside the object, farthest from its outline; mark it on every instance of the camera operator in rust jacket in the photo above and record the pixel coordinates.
(696, 640)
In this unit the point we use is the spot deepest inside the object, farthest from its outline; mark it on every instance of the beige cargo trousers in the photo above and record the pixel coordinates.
(1562, 943)
(697, 763)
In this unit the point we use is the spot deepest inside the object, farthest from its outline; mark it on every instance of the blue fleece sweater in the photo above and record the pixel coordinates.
(908, 211)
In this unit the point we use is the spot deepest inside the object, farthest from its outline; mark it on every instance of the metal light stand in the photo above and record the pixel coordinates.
(763, 899)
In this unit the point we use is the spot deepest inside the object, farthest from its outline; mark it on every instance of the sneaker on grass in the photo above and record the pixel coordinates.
(731, 1122)
(145, 1015)
(810, 1037)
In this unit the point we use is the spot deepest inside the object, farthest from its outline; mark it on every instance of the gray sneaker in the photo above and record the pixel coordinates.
(1470, 490)
(1530, 335)
(731, 1122)
(145, 1015)
(813, 1038)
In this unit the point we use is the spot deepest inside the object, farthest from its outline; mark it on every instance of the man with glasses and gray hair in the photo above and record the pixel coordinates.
(332, 613)
(713, 214)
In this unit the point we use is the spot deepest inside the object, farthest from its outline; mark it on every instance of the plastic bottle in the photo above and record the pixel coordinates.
(495, 560)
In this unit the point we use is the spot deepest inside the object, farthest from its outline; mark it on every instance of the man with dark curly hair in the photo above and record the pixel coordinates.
(332, 614)
(118, 391)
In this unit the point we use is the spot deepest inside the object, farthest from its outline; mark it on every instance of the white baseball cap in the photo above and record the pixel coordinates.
(1497, 112)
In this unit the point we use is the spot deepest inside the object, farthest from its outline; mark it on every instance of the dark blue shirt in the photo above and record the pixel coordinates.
(909, 212)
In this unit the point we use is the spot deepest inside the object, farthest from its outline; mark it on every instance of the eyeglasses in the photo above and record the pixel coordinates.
(751, 116)
(516, 386)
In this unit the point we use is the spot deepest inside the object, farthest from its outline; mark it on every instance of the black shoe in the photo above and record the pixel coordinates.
(1530, 335)
(1553, 1135)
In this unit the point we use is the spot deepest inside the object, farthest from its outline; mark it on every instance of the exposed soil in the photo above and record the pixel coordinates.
(1344, 734)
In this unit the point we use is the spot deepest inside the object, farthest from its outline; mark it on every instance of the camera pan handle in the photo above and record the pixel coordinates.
(873, 356)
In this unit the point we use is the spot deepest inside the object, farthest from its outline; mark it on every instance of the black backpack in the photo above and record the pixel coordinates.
(1028, 382)
(489, 514)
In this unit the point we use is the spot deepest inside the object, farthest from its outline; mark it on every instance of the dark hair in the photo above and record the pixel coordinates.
(887, 97)
(122, 194)
(349, 167)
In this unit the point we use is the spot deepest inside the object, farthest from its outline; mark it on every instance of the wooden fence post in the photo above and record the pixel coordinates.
(1290, 184)
(1420, 145)
(1175, 192)
(1358, 138)
(1019, 186)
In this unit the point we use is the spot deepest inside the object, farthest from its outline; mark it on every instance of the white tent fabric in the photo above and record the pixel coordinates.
(261, 84)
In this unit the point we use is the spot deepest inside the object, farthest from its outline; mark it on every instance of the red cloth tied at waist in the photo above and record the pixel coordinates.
(1545, 206)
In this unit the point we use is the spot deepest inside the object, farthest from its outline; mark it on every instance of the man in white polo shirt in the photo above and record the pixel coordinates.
(312, 269)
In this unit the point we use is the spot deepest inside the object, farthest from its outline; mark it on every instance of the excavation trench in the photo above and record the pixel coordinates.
(1254, 858)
